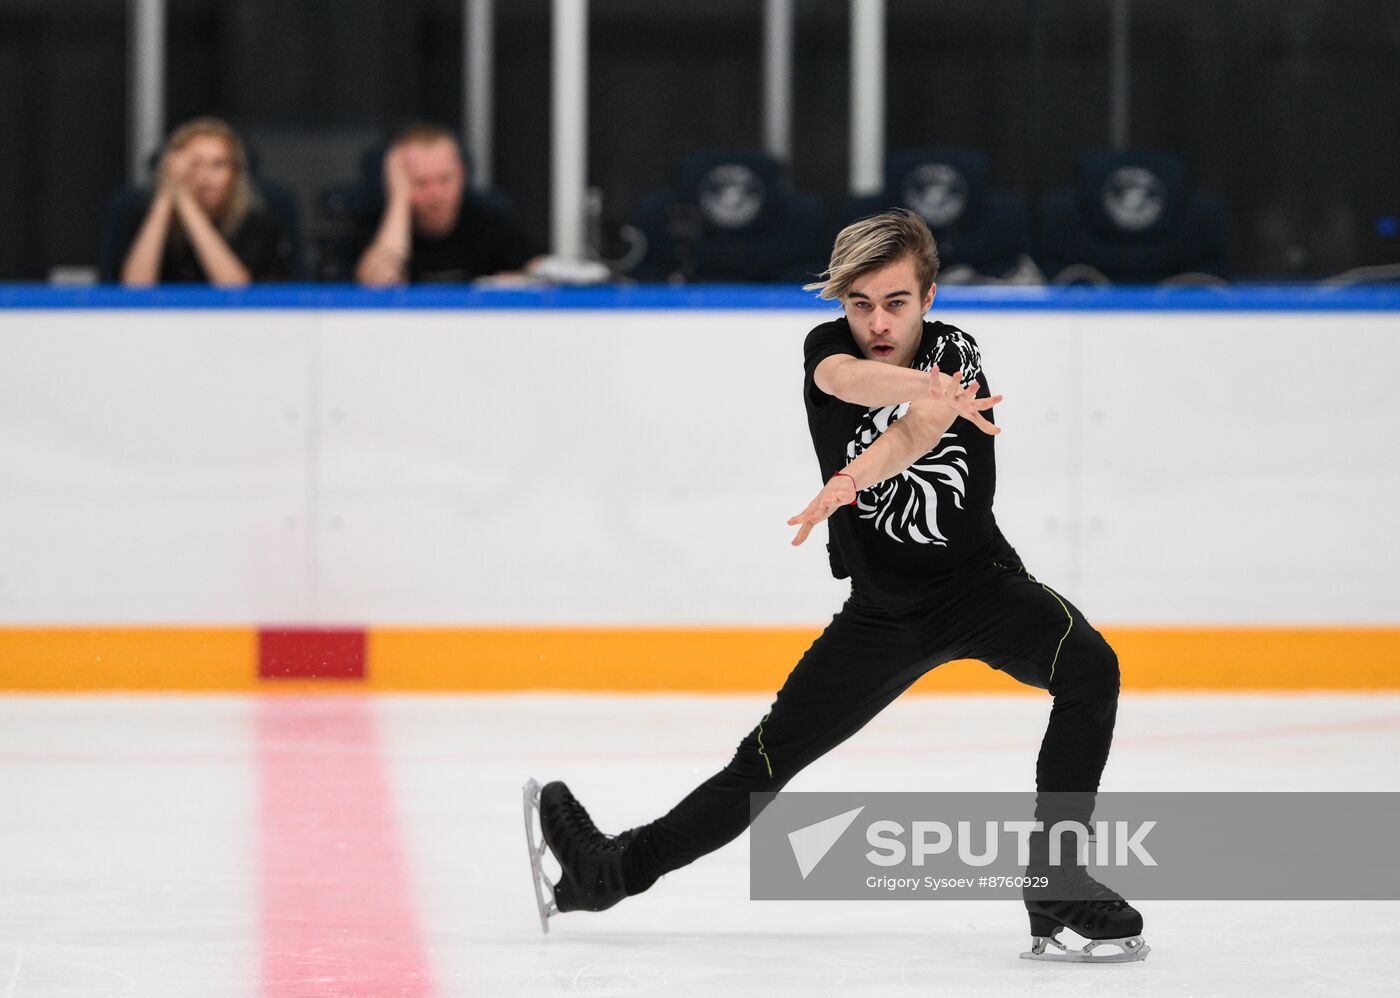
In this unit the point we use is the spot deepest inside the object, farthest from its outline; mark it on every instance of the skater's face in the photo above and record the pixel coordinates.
(886, 312)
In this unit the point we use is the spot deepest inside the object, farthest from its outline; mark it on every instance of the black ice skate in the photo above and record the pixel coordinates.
(591, 861)
(1086, 907)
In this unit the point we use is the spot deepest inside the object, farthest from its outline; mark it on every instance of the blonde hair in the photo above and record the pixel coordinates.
(241, 197)
(876, 242)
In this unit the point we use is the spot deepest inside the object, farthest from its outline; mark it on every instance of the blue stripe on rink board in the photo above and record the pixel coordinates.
(1248, 298)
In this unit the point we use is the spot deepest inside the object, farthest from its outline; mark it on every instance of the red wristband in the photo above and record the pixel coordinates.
(842, 474)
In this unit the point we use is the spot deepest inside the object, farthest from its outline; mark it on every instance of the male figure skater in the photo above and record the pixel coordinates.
(906, 453)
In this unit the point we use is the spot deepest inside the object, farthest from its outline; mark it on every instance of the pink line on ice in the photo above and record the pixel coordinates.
(337, 910)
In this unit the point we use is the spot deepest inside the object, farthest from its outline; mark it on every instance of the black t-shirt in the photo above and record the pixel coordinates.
(907, 535)
(258, 242)
(486, 240)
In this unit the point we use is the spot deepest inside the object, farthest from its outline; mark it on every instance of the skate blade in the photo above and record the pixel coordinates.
(544, 890)
(1131, 949)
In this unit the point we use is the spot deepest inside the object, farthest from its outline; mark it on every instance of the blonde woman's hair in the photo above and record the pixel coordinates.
(241, 196)
(876, 242)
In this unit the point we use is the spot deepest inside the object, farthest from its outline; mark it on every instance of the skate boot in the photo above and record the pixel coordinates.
(1074, 900)
(591, 862)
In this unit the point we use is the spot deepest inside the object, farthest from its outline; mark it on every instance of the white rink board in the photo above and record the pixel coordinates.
(153, 466)
(634, 467)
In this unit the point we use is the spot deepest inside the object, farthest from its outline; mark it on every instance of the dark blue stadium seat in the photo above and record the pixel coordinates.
(733, 217)
(1133, 218)
(975, 224)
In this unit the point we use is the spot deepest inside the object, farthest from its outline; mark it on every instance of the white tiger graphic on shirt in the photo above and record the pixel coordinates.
(905, 507)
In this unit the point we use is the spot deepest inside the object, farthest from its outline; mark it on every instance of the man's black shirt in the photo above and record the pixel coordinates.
(486, 240)
(906, 536)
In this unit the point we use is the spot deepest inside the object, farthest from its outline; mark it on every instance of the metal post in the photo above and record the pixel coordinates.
(1120, 78)
(777, 78)
(146, 84)
(867, 96)
(478, 85)
(570, 126)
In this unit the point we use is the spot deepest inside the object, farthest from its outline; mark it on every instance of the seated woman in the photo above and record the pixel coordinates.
(204, 222)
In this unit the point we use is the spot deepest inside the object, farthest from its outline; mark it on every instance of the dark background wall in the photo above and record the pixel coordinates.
(1286, 108)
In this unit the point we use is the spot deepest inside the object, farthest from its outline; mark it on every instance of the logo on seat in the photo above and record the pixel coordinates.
(731, 196)
(937, 192)
(1134, 198)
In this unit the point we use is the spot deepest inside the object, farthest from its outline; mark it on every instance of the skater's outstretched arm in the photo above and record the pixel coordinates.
(908, 438)
(869, 382)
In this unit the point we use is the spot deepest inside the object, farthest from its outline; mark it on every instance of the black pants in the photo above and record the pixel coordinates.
(866, 658)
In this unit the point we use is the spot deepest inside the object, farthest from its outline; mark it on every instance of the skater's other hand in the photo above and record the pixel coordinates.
(840, 491)
(964, 401)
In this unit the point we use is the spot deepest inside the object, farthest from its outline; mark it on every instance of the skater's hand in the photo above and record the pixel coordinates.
(840, 491)
(964, 401)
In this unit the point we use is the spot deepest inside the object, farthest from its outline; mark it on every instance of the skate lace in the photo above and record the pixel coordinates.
(1090, 893)
(581, 826)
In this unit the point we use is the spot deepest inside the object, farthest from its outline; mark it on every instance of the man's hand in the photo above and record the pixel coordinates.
(382, 269)
(964, 401)
(840, 491)
(384, 262)
(397, 185)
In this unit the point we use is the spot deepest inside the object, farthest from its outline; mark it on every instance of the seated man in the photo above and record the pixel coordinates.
(432, 229)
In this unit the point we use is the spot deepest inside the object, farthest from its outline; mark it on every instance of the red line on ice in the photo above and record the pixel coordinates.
(337, 909)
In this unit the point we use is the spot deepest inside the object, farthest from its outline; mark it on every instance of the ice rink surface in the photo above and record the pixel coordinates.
(350, 845)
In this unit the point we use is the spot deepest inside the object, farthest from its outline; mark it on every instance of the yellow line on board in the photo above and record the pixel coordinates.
(178, 659)
(758, 659)
(691, 660)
